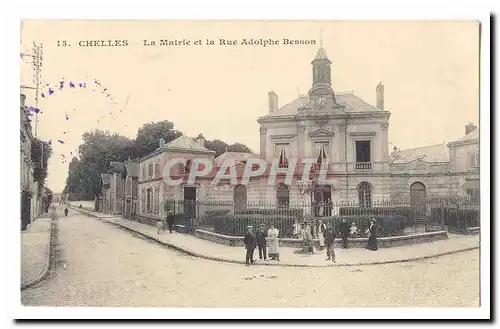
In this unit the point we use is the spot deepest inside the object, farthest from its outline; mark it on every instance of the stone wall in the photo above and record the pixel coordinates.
(385, 242)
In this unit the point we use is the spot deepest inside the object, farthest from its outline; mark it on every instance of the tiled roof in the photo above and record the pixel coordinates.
(117, 167)
(432, 153)
(351, 102)
(238, 156)
(186, 143)
(132, 168)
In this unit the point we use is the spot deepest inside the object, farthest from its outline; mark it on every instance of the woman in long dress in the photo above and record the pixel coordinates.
(321, 229)
(272, 243)
(372, 236)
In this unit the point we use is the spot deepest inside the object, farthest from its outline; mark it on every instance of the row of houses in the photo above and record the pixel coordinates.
(30, 205)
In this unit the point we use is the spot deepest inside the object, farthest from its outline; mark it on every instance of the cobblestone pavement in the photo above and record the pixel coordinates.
(288, 256)
(103, 265)
(35, 247)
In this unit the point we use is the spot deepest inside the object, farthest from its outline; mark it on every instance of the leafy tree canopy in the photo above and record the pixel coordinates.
(99, 148)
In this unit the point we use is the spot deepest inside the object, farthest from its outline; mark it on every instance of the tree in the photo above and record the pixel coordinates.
(148, 136)
(40, 154)
(99, 148)
(220, 147)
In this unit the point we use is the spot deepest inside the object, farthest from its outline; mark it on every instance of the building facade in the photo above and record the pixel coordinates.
(341, 133)
(28, 185)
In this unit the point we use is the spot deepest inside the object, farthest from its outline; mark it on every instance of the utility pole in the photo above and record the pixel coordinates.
(37, 76)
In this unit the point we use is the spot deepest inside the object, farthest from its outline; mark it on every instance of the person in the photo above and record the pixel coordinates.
(170, 221)
(330, 241)
(308, 239)
(66, 211)
(344, 231)
(260, 238)
(249, 241)
(354, 230)
(372, 235)
(159, 226)
(321, 209)
(329, 206)
(272, 235)
(321, 229)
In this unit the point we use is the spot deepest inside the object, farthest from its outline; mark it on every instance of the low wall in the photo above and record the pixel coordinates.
(385, 242)
(473, 230)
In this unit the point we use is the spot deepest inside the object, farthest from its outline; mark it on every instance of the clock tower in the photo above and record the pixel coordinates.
(321, 94)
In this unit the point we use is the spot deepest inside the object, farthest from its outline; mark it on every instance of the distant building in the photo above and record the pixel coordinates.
(28, 186)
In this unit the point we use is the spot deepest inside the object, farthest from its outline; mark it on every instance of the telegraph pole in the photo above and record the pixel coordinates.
(37, 76)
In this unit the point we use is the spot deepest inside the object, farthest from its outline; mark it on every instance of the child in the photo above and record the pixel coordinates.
(354, 230)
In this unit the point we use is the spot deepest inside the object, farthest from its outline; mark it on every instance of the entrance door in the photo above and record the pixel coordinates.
(240, 198)
(190, 201)
(418, 200)
(322, 194)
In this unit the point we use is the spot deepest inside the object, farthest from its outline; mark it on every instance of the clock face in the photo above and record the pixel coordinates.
(321, 101)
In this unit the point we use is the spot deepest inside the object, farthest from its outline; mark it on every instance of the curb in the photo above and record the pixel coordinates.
(44, 273)
(223, 260)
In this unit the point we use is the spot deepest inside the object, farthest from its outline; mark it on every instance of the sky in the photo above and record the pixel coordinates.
(430, 71)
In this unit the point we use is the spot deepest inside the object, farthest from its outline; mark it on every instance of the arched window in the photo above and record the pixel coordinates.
(282, 195)
(365, 195)
(240, 198)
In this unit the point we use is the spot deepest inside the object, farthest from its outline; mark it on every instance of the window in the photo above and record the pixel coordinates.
(150, 171)
(143, 200)
(321, 151)
(473, 194)
(157, 169)
(128, 186)
(363, 156)
(365, 195)
(282, 151)
(144, 173)
(283, 196)
(149, 200)
(363, 151)
(187, 168)
(157, 200)
(474, 159)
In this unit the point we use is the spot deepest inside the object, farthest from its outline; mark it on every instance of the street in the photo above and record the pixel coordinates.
(101, 265)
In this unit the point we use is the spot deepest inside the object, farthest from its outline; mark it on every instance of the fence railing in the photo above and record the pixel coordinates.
(393, 217)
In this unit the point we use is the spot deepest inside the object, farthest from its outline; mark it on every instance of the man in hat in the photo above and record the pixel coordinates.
(344, 231)
(260, 238)
(250, 243)
(170, 221)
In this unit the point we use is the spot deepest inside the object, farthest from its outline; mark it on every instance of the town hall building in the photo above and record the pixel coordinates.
(343, 133)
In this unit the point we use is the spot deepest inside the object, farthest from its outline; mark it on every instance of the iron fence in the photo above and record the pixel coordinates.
(393, 217)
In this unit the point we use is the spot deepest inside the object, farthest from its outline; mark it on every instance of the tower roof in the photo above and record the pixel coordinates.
(321, 54)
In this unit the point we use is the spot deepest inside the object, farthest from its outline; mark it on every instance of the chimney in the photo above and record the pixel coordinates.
(273, 101)
(200, 140)
(469, 128)
(380, 95)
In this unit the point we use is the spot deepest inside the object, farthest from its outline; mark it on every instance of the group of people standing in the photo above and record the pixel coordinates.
(265, 240)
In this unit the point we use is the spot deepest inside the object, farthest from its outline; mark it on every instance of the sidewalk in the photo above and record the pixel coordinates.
(345, 257)
(35, 252)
